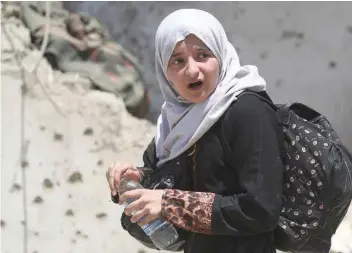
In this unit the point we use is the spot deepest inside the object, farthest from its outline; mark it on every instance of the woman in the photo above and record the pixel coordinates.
(217, 203)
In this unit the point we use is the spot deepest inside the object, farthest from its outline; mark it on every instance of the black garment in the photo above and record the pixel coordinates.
(247, 200)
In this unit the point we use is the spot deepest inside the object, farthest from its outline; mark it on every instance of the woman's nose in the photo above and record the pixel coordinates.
(192, 69)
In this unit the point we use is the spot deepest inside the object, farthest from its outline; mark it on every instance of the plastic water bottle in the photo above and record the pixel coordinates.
(161, 232)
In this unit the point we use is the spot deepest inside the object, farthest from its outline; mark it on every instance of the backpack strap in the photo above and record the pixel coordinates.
(279, 109)
(283, 111)
(261, 95)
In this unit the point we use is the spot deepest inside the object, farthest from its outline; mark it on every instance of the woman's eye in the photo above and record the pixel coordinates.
(203, 56)
(177, 61)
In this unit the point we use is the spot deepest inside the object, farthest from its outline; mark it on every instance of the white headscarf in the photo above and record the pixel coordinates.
(181, 124)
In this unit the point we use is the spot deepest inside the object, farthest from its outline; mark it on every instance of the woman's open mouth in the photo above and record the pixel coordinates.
(195, 86)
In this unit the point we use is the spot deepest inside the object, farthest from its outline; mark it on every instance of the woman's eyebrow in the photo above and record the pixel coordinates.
(176, 54)
(199, 49)
(203, 49)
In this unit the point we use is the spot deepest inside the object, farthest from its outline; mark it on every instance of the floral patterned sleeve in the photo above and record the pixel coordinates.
(188, 210)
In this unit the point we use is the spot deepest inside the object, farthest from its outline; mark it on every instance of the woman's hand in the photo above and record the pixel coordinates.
(146, 207)
(117, 171)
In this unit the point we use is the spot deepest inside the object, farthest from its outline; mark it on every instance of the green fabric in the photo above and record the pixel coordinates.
(109, 66)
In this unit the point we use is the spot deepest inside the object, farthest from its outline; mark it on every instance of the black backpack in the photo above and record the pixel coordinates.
(317, 179)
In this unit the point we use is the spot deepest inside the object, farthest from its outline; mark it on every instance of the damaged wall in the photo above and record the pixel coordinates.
(302, 49)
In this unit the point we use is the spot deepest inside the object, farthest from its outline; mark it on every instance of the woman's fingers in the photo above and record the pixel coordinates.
(141, 216)
(117, 176)
(115, 172)
(146, 206)
(133, 194)
(110, 176)
(138, 216)
(147, 218)
(132, 174)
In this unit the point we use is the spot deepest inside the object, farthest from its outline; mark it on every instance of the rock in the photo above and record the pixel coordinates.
(88, 131)
(78, 109)
(101, 215)
(69, 212)
(75, 178)
(38, 200)
(15, 187)
(24, 164)
(58, 136)
(47, 183)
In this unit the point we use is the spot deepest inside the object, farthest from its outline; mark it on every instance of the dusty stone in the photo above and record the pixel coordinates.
(75, 178)
(58, 136)
(88, 131)
(111, 124)
(101, 215)
(15, 187)
(38, 200)
(69, 212)
(47, 183)
(24, 164)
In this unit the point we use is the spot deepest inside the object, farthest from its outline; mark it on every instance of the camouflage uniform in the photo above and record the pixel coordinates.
(79, 43)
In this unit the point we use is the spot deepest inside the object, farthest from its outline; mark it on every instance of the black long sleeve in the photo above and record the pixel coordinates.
(253, 136)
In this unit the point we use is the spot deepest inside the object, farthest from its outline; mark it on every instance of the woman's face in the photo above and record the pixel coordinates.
(193, 70)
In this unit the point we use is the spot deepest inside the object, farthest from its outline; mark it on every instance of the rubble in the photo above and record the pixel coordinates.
(68, 130)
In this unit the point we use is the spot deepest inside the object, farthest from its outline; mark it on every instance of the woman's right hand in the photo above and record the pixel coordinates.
(117, 171)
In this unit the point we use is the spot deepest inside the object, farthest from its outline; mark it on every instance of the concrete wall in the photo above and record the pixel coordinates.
(302, 49)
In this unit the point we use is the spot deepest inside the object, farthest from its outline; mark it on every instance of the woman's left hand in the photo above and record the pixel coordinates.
(146, 207)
